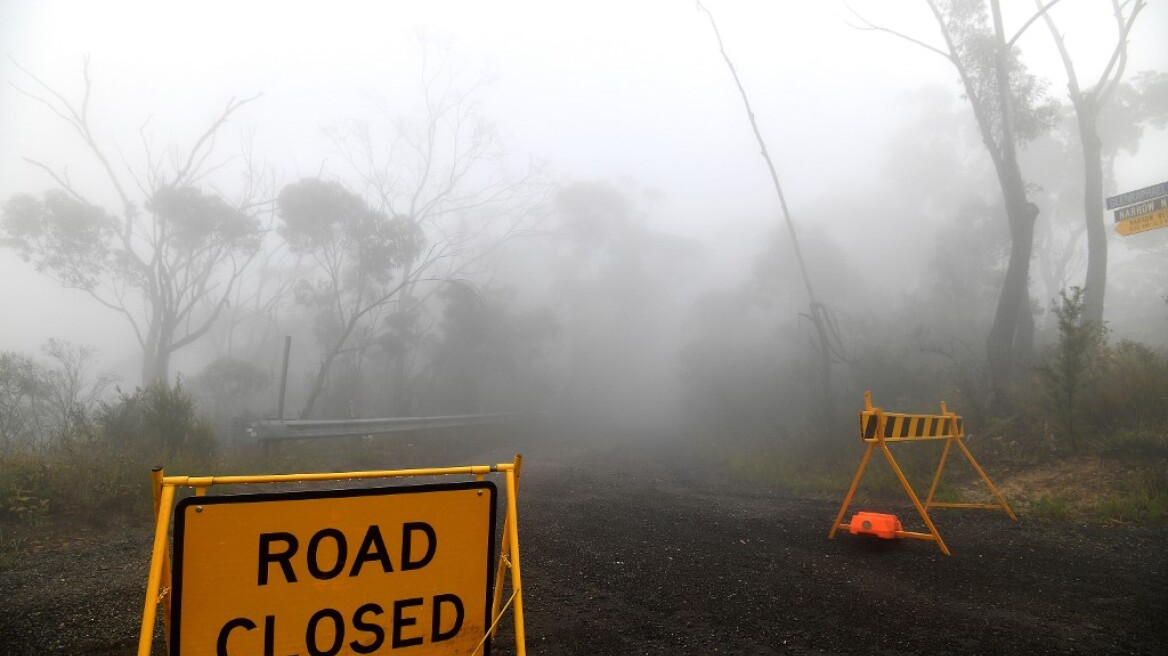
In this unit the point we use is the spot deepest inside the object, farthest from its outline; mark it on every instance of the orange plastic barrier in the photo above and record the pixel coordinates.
(878, 524)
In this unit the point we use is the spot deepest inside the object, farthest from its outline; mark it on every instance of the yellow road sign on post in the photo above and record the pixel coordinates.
(362, 571)
(1142, 222)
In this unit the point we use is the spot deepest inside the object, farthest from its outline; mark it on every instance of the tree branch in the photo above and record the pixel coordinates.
(869, 26)
(209, 135)
(1041, 13)
(1104, 87)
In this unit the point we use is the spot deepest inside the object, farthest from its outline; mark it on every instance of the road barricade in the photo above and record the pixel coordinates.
(357, 570)
(879, 428)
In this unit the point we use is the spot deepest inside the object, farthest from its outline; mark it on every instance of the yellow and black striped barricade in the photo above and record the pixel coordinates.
(879, 428)
(357, 570)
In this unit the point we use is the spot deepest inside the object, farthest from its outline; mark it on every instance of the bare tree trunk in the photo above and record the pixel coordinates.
(818, 311)
(317, 385)
(1024, 335)
(1087, 105)
(1002, 345)
(399, 372)
(1095, 285)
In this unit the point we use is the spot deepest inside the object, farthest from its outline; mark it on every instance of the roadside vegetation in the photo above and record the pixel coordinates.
(1085, 438)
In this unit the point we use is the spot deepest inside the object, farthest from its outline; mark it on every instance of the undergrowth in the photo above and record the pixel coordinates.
(102, 467)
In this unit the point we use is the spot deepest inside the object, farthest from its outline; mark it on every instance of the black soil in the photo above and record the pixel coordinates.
(640, 550)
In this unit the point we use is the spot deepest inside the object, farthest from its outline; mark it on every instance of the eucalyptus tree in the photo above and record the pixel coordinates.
(1011, 107)
(1088, 102)
(442, 168)
(357, 255)
(166, 258)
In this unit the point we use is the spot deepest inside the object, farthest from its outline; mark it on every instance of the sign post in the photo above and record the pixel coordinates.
(402, 569)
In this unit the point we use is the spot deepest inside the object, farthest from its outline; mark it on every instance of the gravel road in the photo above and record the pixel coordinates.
(638, 551)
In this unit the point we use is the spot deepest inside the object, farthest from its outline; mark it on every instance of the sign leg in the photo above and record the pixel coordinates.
(516, 578)
(157, 562)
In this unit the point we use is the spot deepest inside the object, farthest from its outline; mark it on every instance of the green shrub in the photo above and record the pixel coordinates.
(1132, 391)
(105, 468)
(1144, 497)
(1071, 365)
(159, 421)
(1136, 443)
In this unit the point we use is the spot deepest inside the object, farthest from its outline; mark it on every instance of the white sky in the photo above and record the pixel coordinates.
(602, 89)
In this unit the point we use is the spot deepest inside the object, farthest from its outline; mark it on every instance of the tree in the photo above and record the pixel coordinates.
(442, 171)
(818, 313)
(40, 404)
(22, 383)
(167, 260)
(1088, 103)
(357, 253)
(613, 283)
(485, 354)
(225, 390)
(1011, 107)
(70, 392)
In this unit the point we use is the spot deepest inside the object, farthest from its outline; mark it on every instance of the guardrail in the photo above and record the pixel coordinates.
(269, 430)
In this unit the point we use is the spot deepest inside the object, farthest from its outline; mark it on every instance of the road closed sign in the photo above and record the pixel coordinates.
(399, 570)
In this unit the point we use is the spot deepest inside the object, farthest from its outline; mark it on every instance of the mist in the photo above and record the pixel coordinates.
(459, 208)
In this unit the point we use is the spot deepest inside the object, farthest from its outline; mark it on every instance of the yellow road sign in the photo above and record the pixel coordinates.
(1143, 222)
(401, 570)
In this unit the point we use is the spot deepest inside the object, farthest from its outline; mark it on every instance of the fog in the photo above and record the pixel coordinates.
(610, 245)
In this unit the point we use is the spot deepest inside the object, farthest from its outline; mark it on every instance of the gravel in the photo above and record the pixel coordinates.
(638, 550)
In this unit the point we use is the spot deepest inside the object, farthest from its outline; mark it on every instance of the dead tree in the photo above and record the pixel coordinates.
(828, 350)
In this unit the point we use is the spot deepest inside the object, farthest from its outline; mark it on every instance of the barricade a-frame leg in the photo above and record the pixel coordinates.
(933, 534)
(158, 582)
(1001, 501)
(837, 524)
(509, 561)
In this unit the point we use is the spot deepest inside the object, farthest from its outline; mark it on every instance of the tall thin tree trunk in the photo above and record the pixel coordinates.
(1002, 345)
(399, 372)
(1087, 105)
(817, 310)
(1095, 287)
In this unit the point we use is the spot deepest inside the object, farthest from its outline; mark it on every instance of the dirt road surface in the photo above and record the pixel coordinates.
(636, 549)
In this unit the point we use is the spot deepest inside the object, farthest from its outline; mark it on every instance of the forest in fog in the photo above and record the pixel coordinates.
(424, 258)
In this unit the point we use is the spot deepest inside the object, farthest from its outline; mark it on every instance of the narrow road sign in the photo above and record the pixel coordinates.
(1132, 197)
(1143, 223)
(1145, 207)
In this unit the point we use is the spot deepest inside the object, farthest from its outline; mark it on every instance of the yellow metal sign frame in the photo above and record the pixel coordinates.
(159, 583)
(879, 428)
